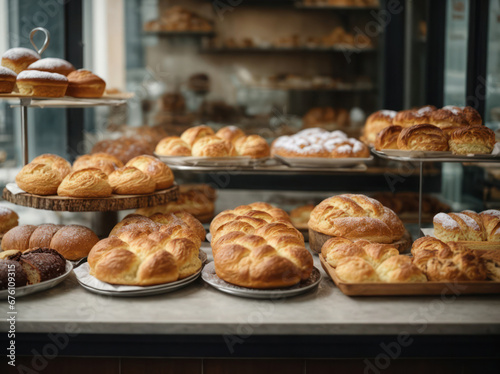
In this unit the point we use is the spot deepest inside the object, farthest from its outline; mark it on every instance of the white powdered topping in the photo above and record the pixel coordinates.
(468, 221)
(36, 74)
(446, 221)
(455, 110)
(50, 63)
(388, 113)
(346, 148)
(313, 131)
(492, 212)
(337, 134)
(4, 71)
(357, 147)
(423, 111)
(17, 53)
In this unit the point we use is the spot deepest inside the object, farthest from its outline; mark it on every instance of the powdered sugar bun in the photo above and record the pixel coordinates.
(7, 80)
(52, 65)
(41, 83)
(18, 59)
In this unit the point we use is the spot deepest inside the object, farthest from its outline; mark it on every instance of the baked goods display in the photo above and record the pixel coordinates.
(7, 80)
(41, 83)
(73, 241)
(94, 176)
(201, 141)
(469, 226)
(52, 65)
(355, 217)
(124, 148)
(31, 267)
(327, 118)
(8, 219)
(83, 83)
(178, 19)
(18, 59)
(317, 142)
(145, 251)
(256, 246)
(197, 200)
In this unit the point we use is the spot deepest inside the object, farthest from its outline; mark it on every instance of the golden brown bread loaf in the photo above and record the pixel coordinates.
(422, 138)
(18, 59)
(173, 146)
(8, 219)
(400, 269)
(468, 226)
(39, 179)
(256, 246)
(375, 123)
(356, 270)
(7, 80)
(83, 83)
(472, 139)
(411, 117)
(131, 181)
(41, 83)
(159, 253)
(73, 242)
(356, 217)
(193, 134)
(230, 133)
(335, 249)
(448, 120)
(55, 162)
(103, 161)
(157, 170)
(253, 146)
(88, 182)
(388, 138)
(52, 65)
(463, 266)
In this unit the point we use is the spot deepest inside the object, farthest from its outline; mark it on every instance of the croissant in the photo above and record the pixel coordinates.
(473, 139)
(85, 183)
(131, 181)
(55, 162)
(157, 170)
(375, 123)
(173, 146)
(212, 146)
(254, 146)
(422, 138)
(39, 179)
(193, 134)
(388, 138)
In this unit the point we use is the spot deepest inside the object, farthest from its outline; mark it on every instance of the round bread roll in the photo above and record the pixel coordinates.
(388, 138)
(7, 80)
(83, 83)
(472, 116)
(52, 65)
(8, 219)
(212, 146)
(356, 217)
(400, 269)
(472, 140)
(131, 181)
(173, 146)
(88, 182)
(157, 170)
(356, 270)
(41, 83)
(18, 59)
(18, 238)
(448, 120)
(422, 138)
(56, 163)
(89, 161)
(428, 243)
(190, 136)
(253, 146)
(375, 123)
(39, 179)
(42, 236)
(412, 117)
(73, 241)
(230, 133)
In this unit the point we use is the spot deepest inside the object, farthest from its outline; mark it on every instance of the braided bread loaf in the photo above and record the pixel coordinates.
(468, 226)
(145, 251)
(73, 242)
(256, 246)
(356, 217)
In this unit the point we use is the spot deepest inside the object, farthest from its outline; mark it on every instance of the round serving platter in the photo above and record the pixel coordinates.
(38, 287)
(208, 275)
(94, 285)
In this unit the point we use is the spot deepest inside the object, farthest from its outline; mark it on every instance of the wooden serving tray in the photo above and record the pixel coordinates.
(103, 204)
(317, 239)
(409, 289)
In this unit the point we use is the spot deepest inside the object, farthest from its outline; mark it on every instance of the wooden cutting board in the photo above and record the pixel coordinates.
(317, 239)
(449, 289)
(105, 204)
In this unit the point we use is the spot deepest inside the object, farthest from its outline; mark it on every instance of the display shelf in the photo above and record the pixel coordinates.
(337, 49)
(106, 204)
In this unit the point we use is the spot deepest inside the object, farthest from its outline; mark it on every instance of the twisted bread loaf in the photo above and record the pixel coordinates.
(73, 242)
(256, 246)
(356, 217)
(142, 251)
(468, 226)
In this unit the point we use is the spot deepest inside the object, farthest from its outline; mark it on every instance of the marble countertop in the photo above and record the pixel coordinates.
(201, 309)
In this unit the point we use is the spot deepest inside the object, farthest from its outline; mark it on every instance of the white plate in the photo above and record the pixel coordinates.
(42, 286)
(322, 161)
(93, 284)
(211, 161)
(208, 275)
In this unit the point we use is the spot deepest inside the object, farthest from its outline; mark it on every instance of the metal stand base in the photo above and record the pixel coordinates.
(103, 222)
